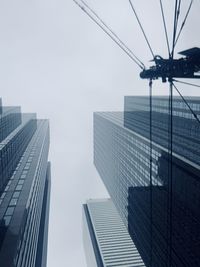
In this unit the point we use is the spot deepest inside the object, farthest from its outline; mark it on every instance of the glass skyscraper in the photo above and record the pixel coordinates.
(24, 189)
(156, 192)
(106, 239)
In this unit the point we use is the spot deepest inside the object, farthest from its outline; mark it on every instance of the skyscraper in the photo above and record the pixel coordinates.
(156, 192)
(106, 239)
(24, 189)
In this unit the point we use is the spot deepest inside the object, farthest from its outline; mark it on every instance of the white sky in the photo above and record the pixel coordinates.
(56, 62)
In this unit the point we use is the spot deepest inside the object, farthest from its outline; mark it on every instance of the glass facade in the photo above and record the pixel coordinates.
(107, 242)
(0, 105)
(25, 190)
(186, 130)
(156, 192)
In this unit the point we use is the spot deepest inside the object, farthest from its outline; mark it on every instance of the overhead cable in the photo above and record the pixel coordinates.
(170, 168)
(185, 101)
(174, 28)
(165, 27)
(184, 21)
(191, 84)
(151, 161)
(142, 29)
(178, 11)
(110, 34)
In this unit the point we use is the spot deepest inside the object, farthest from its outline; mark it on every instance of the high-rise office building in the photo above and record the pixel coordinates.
(106, 239)
(24, 189)
(156, 192)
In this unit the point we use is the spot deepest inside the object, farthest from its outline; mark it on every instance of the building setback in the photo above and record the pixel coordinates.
(24, 189)
(106, 239)
(158, 202)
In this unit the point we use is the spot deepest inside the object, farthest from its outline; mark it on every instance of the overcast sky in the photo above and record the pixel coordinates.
(56, 62)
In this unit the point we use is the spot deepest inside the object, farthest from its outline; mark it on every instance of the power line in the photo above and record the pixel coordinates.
(142, 29)
(112, 32)
(170, 170)
(191, 84)
(165, 27)
(151, 165)
(170, 129)
(109, 34)
(178, 11)
(184, 21)
(193, 113)
(175, 27)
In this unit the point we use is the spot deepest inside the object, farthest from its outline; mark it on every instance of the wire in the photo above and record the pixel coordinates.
(170, 167)
(142, 29)
(151, 166)
(108, 33)
(183, 23)
(178, 11)
(114, 34)
(174, 29)
(191, 84)
(165, 27)
(193, 113)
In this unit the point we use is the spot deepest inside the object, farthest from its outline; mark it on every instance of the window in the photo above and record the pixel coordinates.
(7, 220)
(16, 194)
(21, 181)
(9, 211)
(18, 187)
(3, 195)
(27, 167)
(13, 202)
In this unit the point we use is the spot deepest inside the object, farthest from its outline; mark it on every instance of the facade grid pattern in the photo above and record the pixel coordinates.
(115, 245)
(162, 216)
(24, 189)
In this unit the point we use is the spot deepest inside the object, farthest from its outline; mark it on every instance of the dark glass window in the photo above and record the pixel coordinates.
(7, 220)
(9, 211)
(3, 195)
(18, 187)
(13, 202)
(16, 194)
